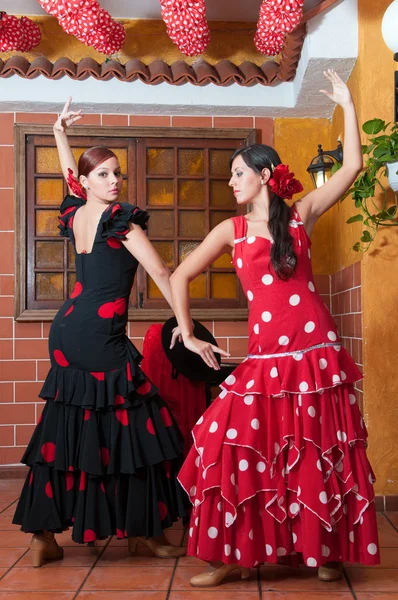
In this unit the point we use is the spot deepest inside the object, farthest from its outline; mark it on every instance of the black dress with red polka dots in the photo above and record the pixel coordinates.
(105, 454)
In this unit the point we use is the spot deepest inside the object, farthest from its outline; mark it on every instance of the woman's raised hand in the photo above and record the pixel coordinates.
(340, 92)
(205, 350)
(67, 117)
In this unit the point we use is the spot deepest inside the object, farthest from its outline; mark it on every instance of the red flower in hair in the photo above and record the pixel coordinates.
(75, 186)
(283, 183)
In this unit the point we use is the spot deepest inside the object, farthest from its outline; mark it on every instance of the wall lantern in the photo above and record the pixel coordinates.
(321, 166)
(389, 31)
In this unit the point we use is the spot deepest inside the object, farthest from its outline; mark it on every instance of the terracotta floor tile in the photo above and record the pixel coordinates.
(388, 560)
(11, 485)
(74, 556)
(383, 524)
(9, 556)
(216, 594)
(376, 596)
(307, 596)
(275, 578)
(191, 561)
(141, 595)
(65, 539)
(125, 578)
(6, 523)
(9, 508)
(8, 496)
(62, 579)
(119, 557)
(393, 517)
(373, 580)
(117, 543)
(388, 538)
(2, 572)
(233, 581)
(14, 539)
(4, 506)
(36, 595)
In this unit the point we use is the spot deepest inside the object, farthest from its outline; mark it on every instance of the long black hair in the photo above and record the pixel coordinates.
(283, 256)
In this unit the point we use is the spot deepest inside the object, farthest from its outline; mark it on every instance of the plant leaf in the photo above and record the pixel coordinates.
(366, 237)
(354, 219)
(357, 247)
(373, 126)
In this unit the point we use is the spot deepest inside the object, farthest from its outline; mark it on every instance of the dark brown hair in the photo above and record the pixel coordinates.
(91, 158)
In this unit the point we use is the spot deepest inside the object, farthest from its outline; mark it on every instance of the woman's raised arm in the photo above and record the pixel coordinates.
(65, 120)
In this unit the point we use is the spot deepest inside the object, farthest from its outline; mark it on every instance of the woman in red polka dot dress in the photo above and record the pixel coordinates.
(105, 455)
(279, 467)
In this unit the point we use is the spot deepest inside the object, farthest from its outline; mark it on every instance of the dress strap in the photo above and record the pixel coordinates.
(240, 228)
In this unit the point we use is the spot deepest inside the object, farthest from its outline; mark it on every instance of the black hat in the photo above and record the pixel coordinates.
(184, 361)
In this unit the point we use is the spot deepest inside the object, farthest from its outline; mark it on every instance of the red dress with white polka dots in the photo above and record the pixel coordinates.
(279, 466)
(105, 455)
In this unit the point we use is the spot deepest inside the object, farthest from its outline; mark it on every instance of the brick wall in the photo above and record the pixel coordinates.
(24, 359)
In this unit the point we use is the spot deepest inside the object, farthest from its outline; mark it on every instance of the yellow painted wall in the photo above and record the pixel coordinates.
(296, 140)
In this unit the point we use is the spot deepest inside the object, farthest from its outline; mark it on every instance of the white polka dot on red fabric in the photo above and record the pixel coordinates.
(213, 427)
(372, 549)
(199, 421)
(200, 450)
(255, 424)
(190, 531)
(309, 253)
(256, 329)
(311, 411)
(219, 506)
(250, 295)
(222, 394)
(243, 465)
(299, 400)
(260, 467)
(309, 327)
(342, 436)
(229, 518)
(274, 372)
(294, 300)
(227, 549)
(298, 355)
(239, 263)
(281, 551)
(268, 549)
(276, 447)
(212, 532)
(232, 478)
(297, 411)
(323, 363)
(230, 380)
(303, 387)
(267, 279)
(343, 376)
(197, 461)
(325, 550)
(250, 384)
(232, 434)
(248, 399)
(294, 538)
(332, 336)
(351, 536)
(197, 502)
(311, 286)
(336, 378)
(237, 554)
(352, 398)
(251, 239)
(311, 562)
(192, 491)
(298, 490)
(370, 478)
(197, 521)
(283, 340)
(251, 534)
(266, 316)
(345, 509)
(319, 465)
(323, 497)
(337, 348)
(339, 467)
(294, 508)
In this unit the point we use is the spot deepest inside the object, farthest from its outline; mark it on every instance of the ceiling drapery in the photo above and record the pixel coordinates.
(277, 18)
(18, 34)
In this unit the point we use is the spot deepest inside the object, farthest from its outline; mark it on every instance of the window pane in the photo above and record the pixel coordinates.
(223, 285)
(47, 160)
(161, 223)
(50, 255)
(221, 194)
(49, 286)
(77, 152)
(71, 256)
(191, 161)
(191, 223)
(49, 191)
(197, 287)
(47, 222)
(166, 252)
(217, 217)
(224, 262)
(160, 161)
(71, 282)
(219, 163)
(152, 289)
(185, 249)
(121, 154)
(191, 192)
(160, 192)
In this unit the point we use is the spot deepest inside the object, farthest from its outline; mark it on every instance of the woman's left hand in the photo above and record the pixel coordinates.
(340, 92)
(176, 336)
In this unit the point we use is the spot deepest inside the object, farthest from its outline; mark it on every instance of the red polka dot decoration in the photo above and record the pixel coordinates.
(69, 481)
(91, 24)
(277, 18)
(48, 489)
(162, 510)
(166, 417)
(83, 481)
(48, 451)
(109, 309)
(77, 290)
(114, 243)
(150, 427)
(100, 375)
(89, 536)
(145, 388)
(60, 358)
(104, 453)
(122, 416)
(186, 25)
(18, 34)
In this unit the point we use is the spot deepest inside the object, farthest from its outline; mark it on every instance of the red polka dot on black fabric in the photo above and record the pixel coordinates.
(145, 388)
(114, 243)
(122, 416)
(162, 510)
(69, 481)
(31, 479)
(48, 451)
(129, 375)
(119, 399)
(104, 453)
(150, 427)
(69, 310)
(119, 534)
(107, 310)
(87, 414)
(102, 487)
(77, 290)
(166, 417)
(60, 358)
(89, 536)
(71, 222)
(48, 490)
(100, 375)
(56, 395)
(83, 481)
(120, 306)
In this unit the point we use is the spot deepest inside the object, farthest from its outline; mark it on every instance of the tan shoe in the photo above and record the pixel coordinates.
(44, 547)
(330, 571)
(157, 549)
(217, 576)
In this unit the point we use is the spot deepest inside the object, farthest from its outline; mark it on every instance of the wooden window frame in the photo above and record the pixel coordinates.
(22, 131)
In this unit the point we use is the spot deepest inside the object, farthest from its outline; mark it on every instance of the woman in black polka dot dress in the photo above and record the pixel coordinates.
(105, 454)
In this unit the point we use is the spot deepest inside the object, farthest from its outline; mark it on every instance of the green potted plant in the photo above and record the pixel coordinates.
(381, 154)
